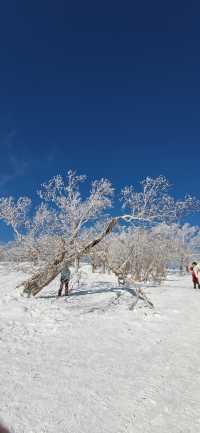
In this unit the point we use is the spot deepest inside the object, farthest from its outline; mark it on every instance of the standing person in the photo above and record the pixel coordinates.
(195, 278)
(196, 270)
(64, 280)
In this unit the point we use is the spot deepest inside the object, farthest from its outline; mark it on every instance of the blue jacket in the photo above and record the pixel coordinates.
(65, 273)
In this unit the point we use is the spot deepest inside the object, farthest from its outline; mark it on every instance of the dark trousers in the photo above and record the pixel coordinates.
(196, 284)
(64, 285)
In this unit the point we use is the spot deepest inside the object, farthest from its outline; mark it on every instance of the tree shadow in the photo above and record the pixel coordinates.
(103, 290)
(77, 293)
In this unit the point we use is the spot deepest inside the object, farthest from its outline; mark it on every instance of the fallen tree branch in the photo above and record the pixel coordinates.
(141, 295)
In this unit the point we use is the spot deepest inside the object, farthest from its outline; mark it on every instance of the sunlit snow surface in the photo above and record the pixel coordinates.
(86, 364)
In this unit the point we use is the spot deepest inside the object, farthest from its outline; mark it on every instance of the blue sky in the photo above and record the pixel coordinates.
(110, 89)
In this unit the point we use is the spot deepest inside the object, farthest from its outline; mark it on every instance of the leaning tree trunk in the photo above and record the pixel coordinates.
(35, 284)
(38, 281)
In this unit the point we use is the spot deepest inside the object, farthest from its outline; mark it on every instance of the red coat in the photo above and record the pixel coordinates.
(194, 278)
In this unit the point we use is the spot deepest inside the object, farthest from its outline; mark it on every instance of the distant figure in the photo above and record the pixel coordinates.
(195, 276)
(64, 280)
(196, 269)
(3, 429)
(121, 280)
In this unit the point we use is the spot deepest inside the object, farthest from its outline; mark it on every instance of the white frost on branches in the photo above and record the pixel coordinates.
(64, 226)
(154, 204)
(14, 213)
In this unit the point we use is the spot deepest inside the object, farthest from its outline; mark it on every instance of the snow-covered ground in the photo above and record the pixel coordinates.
(86, 364)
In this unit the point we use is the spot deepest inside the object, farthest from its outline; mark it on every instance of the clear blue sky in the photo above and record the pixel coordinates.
(108, 88)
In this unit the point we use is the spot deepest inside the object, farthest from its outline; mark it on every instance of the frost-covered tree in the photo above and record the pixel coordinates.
(138, 253)
(154, 204)
(57, 229)
(146, 253)
(14, 213)
(60, 229)
(183, 238)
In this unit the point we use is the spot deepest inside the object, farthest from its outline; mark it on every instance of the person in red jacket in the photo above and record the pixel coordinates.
(194, 277)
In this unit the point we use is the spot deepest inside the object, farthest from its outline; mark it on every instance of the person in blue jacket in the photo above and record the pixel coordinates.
(64, 280)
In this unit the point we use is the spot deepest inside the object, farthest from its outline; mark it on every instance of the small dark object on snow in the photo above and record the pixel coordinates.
(121, 280)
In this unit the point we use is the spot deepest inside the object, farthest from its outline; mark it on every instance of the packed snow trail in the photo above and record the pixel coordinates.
(88, 364)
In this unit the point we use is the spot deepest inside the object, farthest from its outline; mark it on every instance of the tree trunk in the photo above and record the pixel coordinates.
(77, 263)
(35, 284)
(181, 266)
(93, 267)
(104, 267)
